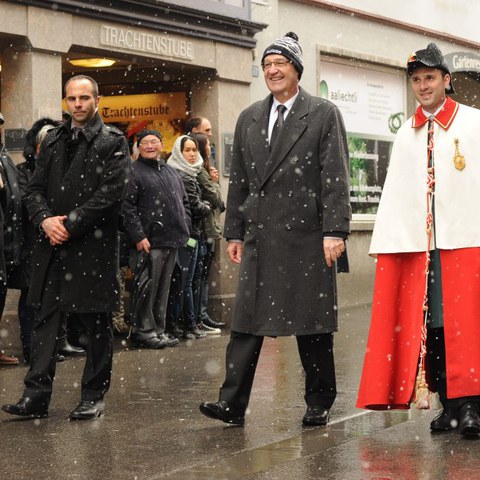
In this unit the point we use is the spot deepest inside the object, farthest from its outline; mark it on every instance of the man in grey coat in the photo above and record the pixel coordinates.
(287, 220)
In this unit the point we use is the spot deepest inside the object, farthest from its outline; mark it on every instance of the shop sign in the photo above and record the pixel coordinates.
(463, 62)
(372, 103)
(163, 45)
(164, 112)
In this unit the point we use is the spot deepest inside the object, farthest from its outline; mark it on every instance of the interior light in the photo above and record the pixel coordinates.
(92, 62)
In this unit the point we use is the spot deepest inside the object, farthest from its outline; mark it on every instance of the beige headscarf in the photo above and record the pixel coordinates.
(177, 160)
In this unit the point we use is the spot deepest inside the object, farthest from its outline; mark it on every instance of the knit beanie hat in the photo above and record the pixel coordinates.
(289, 47)
(144, 133)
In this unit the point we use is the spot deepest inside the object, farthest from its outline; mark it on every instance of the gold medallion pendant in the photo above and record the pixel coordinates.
(458, 159)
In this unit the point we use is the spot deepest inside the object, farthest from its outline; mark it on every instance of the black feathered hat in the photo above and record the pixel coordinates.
(31, 137)
(430, 57)
(289, 47)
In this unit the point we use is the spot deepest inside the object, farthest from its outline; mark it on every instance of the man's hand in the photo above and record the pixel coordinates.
(234, 250)
(332, 249)
(55, 230)
(143, 245)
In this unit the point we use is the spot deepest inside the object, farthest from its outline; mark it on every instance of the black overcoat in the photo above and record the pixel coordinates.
(281, 204)
(89, 189)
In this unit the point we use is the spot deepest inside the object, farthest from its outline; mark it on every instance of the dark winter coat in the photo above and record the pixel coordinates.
(155, 193)
(199, 209)
(89, 189)
(282, 215)
(24, 175)
(12, 220)
(212, 193)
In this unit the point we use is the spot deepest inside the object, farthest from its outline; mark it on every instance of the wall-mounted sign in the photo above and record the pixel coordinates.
(463, 62)
(156, 44)
(227, 153)
(15, 139)
(372, 102)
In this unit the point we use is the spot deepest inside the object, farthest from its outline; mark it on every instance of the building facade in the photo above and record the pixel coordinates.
(171, 60)
(156, 63)
(355, 53)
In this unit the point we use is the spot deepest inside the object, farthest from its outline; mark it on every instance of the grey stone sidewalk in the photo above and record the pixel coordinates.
(153, 429)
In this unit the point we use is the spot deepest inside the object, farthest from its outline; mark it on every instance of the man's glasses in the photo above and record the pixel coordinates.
(150, 142)
(277, 64)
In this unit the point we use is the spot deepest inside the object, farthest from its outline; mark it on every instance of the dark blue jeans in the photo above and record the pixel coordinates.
(187, 258)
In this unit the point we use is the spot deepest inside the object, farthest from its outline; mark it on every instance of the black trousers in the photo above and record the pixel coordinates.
(97, 335)
(316, 354)
(436, 359)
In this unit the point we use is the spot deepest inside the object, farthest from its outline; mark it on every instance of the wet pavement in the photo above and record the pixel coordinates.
(152, 428)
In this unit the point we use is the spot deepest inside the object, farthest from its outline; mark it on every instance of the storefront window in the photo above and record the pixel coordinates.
(372, 102)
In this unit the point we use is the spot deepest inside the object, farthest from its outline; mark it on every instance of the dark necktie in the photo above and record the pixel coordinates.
(278, 125)
(430, 142)
(75, 132)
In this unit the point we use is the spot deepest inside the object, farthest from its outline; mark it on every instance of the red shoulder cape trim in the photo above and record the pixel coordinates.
(444, 118)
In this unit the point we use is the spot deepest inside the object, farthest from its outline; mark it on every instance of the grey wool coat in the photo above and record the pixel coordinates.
(281, 204)
(89, 190)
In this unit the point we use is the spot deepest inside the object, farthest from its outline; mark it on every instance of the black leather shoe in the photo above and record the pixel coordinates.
(27, 407)
(469, 423)
(69, 350)
(87, 410)
(221, 411)
(209, 322)
(154, 343)
(445, 421)
(316, 415)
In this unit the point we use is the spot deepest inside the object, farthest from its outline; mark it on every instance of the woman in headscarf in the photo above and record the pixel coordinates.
(212, 231)
(186, 159)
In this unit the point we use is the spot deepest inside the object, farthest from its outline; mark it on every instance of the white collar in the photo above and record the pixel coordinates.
(288, 104)
(428, 114)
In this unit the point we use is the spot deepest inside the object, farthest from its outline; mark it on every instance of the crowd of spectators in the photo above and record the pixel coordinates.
(170, 221)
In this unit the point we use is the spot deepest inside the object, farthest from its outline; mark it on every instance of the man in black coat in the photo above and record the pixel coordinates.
(74, 201)
(10, 231)
(287, 219)
(156, 215)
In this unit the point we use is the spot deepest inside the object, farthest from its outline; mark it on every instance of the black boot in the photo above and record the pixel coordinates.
(469, 423)
(67, 349)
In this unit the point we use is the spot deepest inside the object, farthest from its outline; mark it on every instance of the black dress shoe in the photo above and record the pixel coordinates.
(221, 411)
(87, 410)
(209, 322)
(316, 415)
(445, 421)
(28, 408)
(154, 343)
(69, 350)
(469, 423)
